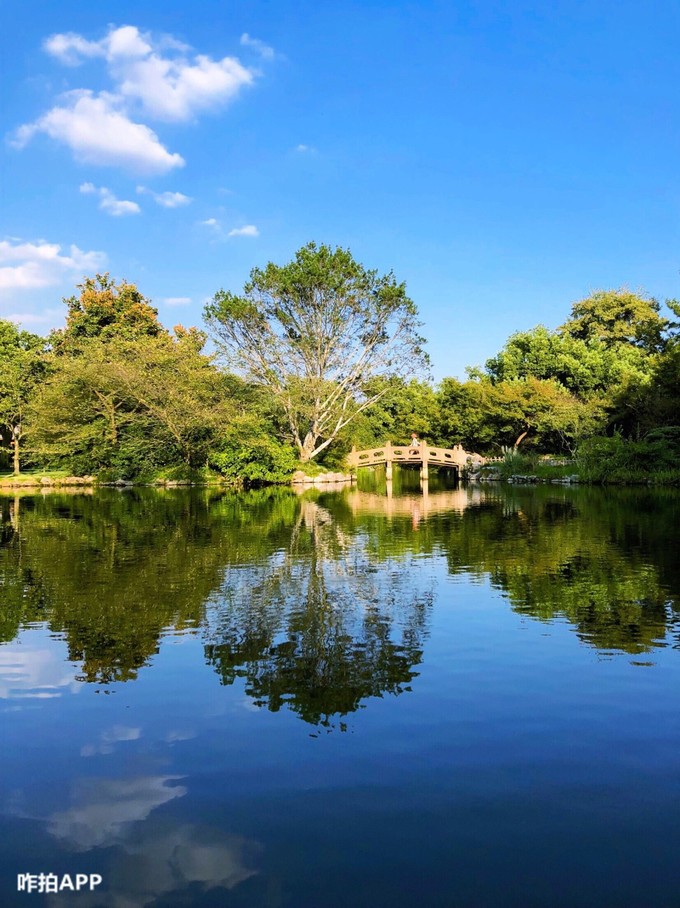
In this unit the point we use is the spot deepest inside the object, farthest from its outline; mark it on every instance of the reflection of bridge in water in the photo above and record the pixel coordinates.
(415, 506)
(423, 455)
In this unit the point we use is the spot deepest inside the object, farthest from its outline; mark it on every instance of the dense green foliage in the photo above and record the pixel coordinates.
(21, 368)
(325, 353)
(123, 398)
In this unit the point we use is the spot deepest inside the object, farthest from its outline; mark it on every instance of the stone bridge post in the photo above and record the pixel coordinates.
(424, 466)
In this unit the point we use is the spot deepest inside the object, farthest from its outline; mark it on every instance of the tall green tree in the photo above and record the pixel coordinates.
(316, 333)
(21, 368)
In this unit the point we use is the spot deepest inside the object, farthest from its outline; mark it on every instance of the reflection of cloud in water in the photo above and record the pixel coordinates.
(179, 734)
(103, 808)
(158, 859)
(108, 739)
(29, 669)
(147, 858)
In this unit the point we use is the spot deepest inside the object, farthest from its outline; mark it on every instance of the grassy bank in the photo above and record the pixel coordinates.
(43, 478)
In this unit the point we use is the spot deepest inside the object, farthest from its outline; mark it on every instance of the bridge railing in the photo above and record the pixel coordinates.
(424, 453)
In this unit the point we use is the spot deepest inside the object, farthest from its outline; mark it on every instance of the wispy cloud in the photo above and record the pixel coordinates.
(26, 265)
(248, 230)
(157, 78)
(305, 149)
(166, 199)
(264, 50)
(108, 201)
(177, 300)
(222, 233)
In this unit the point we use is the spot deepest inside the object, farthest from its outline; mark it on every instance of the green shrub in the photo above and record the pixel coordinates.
(256, 460)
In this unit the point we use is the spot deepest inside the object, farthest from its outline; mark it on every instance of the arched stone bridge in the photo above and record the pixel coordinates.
(425, 456)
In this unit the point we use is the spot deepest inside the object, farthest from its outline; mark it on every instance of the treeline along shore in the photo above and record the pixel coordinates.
(316, 356)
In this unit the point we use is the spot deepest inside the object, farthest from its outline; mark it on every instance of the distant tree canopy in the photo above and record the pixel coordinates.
(316, 333)
(615, 317)
(610, 355)
(121, 395)
(325, 354)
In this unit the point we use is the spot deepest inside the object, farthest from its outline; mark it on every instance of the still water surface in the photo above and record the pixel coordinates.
(462, 700)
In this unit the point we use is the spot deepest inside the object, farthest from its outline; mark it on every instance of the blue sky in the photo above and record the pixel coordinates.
(504, 159)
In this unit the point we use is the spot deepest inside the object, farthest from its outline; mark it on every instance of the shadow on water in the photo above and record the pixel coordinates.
(320, 602)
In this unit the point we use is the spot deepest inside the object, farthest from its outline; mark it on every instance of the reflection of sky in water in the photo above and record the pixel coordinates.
(146, 858)
(35, 666)
(512, 745)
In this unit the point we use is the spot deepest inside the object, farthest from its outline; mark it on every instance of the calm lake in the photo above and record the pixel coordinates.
(342, 700)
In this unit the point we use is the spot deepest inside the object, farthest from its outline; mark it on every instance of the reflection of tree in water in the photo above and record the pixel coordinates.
(321, 606)
(111, 571)
(592, 557)
(319, 627)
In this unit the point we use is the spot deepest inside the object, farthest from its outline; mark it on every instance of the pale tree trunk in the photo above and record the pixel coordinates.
(17, 462)
(307, 451)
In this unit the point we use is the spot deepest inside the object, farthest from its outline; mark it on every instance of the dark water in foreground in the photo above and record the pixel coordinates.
(466, 700)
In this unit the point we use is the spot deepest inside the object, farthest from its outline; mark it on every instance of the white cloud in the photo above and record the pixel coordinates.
(167, 87)
(166, 199)
(177, 90)
(108, 201)
(248, 230)
(97, 132)
(41, 264)
(126, 43)
(159, 78)
(211, 222)
(266, 52)
(177, 300)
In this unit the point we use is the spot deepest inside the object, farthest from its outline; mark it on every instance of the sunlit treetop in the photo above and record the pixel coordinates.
(106, 310)
(614, 317)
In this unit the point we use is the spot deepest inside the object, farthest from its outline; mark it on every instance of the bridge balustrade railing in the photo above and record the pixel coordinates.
(389, 453)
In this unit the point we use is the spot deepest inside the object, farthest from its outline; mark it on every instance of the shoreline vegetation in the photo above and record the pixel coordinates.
(517, 470)
(320, 355)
